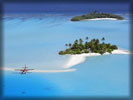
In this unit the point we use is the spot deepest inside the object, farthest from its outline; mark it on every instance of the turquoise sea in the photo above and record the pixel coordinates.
(36, 39)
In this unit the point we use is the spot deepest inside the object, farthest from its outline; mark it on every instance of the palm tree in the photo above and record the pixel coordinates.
(66, 45)
(93, 40)
(81, 41)
(103, 39)
(76, 41)
(108, 45)
(97, 41)
(70, 44)
(86, 38)
(95, 11)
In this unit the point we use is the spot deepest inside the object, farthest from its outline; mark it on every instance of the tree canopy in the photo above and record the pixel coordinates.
(96, 14)
(93, 46)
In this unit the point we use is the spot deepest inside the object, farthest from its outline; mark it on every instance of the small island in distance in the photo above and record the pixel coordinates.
(96, 14)
(93, 46)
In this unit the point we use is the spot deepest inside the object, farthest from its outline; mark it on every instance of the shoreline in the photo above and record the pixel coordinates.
(80, 58)
(102, 19)
(72, 61)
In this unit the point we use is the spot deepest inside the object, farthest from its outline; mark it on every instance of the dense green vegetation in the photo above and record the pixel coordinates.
(96, 14)
(93, 46)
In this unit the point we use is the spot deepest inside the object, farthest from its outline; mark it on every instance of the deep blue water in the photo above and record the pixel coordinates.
(36, 40)
(65, 7)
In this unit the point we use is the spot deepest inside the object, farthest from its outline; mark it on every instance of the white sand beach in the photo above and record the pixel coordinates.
(102, 19)
(80, 58)
(73, 60)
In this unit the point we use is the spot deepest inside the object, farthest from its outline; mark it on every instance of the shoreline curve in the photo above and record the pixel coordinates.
(80, 58)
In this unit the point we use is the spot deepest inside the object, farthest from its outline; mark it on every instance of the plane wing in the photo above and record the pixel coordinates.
(18, 69)
(29, 69)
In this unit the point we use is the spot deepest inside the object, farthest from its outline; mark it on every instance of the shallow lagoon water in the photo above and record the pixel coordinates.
(97, 76)
(36, 42)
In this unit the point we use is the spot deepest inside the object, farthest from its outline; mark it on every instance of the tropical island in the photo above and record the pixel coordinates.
(96, 14)
(92, 46)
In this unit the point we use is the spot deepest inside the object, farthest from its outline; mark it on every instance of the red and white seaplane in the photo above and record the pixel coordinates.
(24, 70)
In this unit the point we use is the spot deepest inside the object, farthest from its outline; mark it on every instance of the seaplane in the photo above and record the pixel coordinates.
(24, 70)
